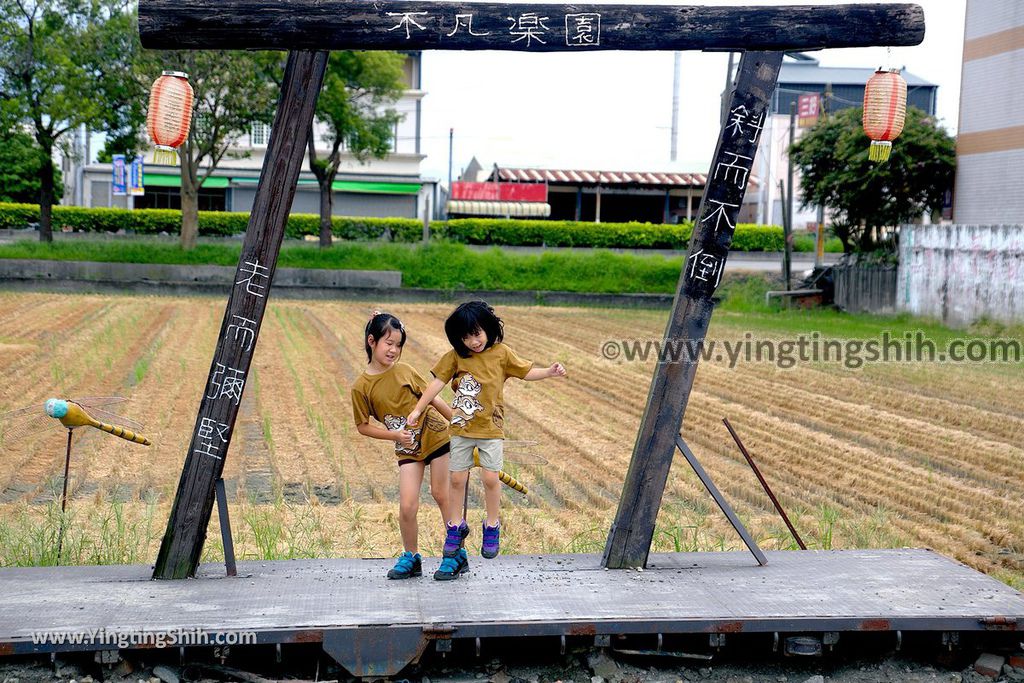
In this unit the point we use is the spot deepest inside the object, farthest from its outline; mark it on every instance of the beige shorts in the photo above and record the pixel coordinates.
(491, 453)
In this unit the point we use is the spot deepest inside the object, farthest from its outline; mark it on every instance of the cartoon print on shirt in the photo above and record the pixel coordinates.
(465, 404)
(394, 423)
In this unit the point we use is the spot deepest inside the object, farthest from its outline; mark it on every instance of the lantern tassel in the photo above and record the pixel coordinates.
(880, 151)
(165, 156)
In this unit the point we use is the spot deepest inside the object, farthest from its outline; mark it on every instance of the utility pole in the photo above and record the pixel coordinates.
(727, 93)
(819, 239)
(677, 59)
(787, 228)
(451, 144)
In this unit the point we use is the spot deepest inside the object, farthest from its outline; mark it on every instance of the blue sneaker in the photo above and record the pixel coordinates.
(455, 538)
(452, 567)
(406, 566)
(492, 539)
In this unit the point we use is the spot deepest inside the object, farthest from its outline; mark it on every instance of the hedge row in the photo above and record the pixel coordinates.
(747, 237)
(213, 223)
(494, 231)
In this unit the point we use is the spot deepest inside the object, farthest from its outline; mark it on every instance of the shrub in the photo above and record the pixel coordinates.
(489, 231)
(221, 223)
(499, 231)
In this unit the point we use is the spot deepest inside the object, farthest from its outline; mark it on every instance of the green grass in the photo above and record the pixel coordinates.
(437, 266)
(450, 266)
(442, 265)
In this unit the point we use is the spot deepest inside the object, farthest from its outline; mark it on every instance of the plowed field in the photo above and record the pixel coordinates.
(886, 455)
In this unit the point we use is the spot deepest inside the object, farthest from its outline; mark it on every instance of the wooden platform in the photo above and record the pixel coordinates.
(334, 601)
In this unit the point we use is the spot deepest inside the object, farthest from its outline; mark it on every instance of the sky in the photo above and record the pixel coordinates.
(612, 110)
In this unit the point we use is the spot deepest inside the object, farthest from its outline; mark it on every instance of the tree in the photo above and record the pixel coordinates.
(61, 64)
(21, 162)
(232, 91)
(867, 198)
(353, 105)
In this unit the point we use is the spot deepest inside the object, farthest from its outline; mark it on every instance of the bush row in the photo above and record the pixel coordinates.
(494, 231)
(211, 223)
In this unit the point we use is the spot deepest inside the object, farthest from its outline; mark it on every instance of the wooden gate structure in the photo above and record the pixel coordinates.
(308, 29)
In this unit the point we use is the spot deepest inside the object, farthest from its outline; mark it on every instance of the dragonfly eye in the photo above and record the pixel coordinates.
(57, 408)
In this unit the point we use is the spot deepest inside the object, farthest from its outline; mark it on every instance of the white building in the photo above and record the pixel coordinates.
(990, 144)
(391, 186)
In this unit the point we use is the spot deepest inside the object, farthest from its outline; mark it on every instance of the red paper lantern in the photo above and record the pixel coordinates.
(170, 115)
(885, 110)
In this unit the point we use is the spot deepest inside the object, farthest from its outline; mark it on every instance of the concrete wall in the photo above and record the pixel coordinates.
(961, 273)
(89, 271)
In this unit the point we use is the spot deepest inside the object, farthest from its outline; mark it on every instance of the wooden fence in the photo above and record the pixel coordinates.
(865, 288)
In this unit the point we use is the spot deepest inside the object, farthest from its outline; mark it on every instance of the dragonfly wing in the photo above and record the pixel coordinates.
(97, 401)
(11, 415)
(520, 452)
(25, 427)
(116, 420)
(525, 458)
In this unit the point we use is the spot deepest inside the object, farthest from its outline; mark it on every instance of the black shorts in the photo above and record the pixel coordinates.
(443, 450)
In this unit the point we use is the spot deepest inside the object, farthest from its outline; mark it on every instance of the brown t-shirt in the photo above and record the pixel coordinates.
(389, 397)
(479, 382)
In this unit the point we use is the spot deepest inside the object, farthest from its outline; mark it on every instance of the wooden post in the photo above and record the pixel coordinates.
(190, 515)
(629, 540)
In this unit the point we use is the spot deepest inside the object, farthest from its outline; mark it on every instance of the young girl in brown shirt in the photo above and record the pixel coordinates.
(387, 391)
(477, 366)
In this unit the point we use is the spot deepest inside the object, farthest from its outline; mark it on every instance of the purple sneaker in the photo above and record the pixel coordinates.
(455, 538)
(489, 549)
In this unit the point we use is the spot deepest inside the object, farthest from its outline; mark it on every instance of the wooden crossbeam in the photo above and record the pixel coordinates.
(406, 25)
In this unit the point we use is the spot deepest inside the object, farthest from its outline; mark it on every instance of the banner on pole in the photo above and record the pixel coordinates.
(136, 186)
(808, 109)
(119, 179)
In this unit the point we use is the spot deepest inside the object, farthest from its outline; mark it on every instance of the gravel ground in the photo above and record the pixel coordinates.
(593, 667)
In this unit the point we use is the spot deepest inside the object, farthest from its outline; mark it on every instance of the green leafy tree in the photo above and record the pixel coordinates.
(867, 199)
(232, 91)
(355, 107)
(63, 64)
(21, 162)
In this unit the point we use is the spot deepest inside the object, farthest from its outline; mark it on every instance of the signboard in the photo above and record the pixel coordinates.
(119, 179)
(808, 109)
(136, 188)
(500, 192)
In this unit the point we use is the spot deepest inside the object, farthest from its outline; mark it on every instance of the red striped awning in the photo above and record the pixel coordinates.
(577, 177)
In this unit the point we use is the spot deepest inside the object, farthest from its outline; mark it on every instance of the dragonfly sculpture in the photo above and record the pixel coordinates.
(515, 452)
(72, 414)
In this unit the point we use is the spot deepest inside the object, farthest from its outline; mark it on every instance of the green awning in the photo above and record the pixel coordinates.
(161, 180)
(377, 188)
(167, 180)
(353, 186)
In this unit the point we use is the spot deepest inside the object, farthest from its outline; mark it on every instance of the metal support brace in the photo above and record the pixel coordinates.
(225, 529)
(722, 504)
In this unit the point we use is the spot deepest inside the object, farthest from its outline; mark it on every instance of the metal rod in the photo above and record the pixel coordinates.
(764, 484)
(723, 505)
(64, 498)
(225, 529)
